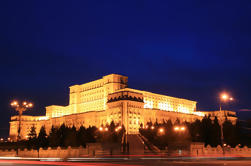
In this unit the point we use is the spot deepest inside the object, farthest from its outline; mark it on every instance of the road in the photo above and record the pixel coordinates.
(128, 162)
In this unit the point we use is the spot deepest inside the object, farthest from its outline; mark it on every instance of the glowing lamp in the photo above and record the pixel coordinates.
(161, 130)
(224, 96)
(30, 104)
(182, 128)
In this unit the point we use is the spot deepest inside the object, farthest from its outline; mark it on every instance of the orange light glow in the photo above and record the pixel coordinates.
(152, 127)
(224, 96)
(106, 129)
(118, 128)
(176, 128)
(182, 128)
(101, 129)
(14, 103)
(30, 104)
(161, 130)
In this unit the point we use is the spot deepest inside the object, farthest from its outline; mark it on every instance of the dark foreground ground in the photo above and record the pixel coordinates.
(126, 162)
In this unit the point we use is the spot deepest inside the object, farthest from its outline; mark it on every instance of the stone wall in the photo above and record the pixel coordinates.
(197, 150)
(54, 152)
(91, 150)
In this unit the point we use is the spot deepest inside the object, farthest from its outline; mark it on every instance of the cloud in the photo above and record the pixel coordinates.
(245, 110)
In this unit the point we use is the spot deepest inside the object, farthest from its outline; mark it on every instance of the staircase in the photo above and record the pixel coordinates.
(136, 145)
(150, 148)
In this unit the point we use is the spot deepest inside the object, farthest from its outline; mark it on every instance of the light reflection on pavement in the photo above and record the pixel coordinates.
(14, 162)
(121, 162)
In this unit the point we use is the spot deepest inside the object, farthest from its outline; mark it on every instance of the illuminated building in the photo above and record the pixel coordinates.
(109, 99)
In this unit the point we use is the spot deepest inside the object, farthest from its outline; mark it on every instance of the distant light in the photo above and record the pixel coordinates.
(106, 129)
(118, 128)
(182, 128)
(224, 96)
(176, 128)
(161, 130)
(14, 103)
(152, 127)
(101, 129)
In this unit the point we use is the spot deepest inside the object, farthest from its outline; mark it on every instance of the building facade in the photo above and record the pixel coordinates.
(109, 99)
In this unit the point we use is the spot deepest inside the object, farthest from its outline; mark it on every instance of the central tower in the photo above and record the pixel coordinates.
(92, 96)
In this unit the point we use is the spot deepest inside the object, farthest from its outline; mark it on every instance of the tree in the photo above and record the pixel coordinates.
(177, 122)
(62, 132)
(42, 138)
(32, 134)
(112, 126)
(206, 126)
(82, 136)
(195, 130)
(91, 134)
(53, 138)
(229, 133)
(71, 137)
(32, 137)
(215, 136)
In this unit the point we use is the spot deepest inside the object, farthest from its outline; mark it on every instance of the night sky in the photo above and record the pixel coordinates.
(189, 49)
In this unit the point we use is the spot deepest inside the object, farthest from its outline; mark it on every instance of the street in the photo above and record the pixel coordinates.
(128, 162)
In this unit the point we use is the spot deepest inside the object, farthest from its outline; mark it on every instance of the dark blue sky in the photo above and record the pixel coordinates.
(190, 49)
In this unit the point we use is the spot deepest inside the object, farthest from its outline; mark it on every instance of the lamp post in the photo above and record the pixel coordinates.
(223, 98)
(20, 108)
(179, 142)
(179, 128)
(161, 131)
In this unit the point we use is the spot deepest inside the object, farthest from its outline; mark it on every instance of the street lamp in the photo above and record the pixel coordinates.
(179, 128)
(20, 108)
(161, 130)
(118, 128)
(103, 129)
(224, 97)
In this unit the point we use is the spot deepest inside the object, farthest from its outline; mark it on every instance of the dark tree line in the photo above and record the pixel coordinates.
(206, 130)
(64, 136)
